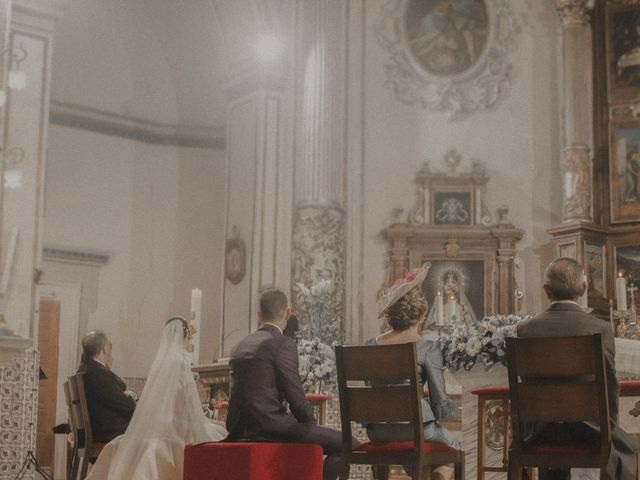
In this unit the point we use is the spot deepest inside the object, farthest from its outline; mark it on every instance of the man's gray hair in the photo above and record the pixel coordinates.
(92, 344)
(564, 277)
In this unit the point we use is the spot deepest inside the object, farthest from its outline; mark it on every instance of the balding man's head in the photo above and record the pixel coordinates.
(93, 345)
(564, 279)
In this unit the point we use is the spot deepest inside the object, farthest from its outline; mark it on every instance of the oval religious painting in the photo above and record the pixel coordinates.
(447, 37)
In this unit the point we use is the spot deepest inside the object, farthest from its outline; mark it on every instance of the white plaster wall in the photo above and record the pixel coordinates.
(517, 140)
(156, 210)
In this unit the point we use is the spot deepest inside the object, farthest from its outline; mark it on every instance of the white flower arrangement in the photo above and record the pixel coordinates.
(317, 364)
(315, 300)
(483, 342)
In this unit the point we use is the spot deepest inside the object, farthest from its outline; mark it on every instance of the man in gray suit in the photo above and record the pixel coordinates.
(564, 283)
(264, 373)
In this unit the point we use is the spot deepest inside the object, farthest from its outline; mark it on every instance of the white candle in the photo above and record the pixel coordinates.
(439, 310)
(621, 292)
(196, 316)
(451, 310)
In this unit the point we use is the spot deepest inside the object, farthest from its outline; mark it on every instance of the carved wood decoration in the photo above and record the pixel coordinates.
(451, 227)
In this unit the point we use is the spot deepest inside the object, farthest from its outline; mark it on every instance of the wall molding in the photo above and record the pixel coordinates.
(140, 130)
(75, 256)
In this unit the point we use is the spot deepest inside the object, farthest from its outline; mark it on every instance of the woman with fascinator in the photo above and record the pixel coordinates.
(168, 416)
(404, 308)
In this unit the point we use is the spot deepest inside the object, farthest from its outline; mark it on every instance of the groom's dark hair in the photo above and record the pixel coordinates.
(273, 304)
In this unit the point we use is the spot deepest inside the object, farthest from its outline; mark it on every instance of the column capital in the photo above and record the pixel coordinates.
(574, 12)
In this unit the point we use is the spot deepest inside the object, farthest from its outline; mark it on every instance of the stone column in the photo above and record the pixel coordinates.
(319, 234)
(577, 75)
(26, 37)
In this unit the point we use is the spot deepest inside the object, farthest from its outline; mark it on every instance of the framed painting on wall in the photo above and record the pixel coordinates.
(627, 261)
(623, 50)
(452, 208)
(624, 172)
(594, 262)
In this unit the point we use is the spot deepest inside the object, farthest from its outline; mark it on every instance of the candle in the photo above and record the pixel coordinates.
(621, 291)
(196, 316)
(439, 310)
(451, 310)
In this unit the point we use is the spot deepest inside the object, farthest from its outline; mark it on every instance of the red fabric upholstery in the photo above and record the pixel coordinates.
(429, 447)
(253, 461)
(220, 405)
(491, 390)
(99, 445)
(317, 397)
(630, 388)
(569, 448)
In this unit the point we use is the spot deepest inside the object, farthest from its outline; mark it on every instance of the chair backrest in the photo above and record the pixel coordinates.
(80, 411)
(379, 383)
(557, 379)
(70, 410)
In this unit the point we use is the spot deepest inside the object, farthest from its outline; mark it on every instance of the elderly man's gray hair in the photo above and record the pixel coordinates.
(92, 344)
(564, 278)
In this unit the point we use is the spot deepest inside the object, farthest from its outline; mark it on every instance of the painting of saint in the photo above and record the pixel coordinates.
(625, 48)
(628, 163)
(446, 37)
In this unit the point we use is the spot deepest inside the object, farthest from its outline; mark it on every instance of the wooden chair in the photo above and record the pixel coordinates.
(86, 449)
(72, 456)
(558, 379)
(380, 384)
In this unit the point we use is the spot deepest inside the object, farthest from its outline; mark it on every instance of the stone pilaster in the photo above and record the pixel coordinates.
(319, 238)
(576, 154)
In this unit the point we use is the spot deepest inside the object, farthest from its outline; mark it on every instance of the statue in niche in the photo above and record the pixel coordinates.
(447, 36)
(453, 280)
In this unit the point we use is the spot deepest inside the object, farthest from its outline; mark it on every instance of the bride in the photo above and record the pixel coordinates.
(168, 416)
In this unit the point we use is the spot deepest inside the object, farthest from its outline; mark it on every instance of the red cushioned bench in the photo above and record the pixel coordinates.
(253, 461)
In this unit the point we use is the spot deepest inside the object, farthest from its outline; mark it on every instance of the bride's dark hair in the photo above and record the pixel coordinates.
(185, 324)
(408, 310)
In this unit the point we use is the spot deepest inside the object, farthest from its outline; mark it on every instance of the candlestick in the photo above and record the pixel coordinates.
(196, 316)
(621, 291)
(439, 310)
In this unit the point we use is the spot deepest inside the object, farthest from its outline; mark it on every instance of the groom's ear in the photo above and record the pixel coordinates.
(287, 314)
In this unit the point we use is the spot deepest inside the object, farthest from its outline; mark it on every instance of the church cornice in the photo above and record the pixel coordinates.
(140, 130)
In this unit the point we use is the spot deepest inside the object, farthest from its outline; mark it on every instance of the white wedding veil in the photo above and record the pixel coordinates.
(168, 416)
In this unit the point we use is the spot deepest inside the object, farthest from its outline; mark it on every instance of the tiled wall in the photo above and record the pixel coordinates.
(18, 412)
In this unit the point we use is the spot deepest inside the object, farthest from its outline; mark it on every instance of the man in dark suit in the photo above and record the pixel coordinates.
(110, 404)
(565, 282)
(264, 373)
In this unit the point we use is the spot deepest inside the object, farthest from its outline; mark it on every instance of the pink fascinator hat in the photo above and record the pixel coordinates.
(411, 279)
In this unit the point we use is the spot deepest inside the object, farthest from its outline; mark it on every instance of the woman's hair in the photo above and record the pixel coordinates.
(185, 324)
(408, 310)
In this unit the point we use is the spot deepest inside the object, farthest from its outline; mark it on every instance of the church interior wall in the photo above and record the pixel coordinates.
(518, 141)
(152, 208)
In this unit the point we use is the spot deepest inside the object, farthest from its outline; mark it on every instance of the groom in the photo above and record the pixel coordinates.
(264, 371)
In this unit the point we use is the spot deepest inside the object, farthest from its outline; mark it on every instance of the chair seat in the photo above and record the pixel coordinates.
(252, 461)
(429, 447)
(563, 448)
